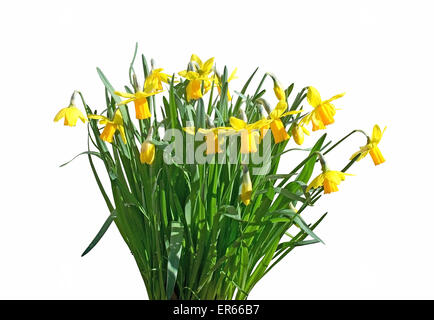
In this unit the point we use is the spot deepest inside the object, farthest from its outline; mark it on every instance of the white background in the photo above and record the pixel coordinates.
(378, 233)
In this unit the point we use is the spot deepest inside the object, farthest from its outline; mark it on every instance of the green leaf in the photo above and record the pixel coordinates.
(131, 70)
(108, 85)
(175, 248)
(300, 222)
(85, 152)
(200, 114)
(290, 195)
(307, 171)
(100, 233)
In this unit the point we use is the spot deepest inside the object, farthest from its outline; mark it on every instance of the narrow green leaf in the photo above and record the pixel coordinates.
(108, 85)
(97, 154)
(100, 233)
(175, 249)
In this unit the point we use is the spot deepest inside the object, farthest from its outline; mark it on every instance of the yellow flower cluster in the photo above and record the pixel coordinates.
(201, 76)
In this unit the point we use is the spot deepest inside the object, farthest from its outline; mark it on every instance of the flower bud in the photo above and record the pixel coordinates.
(246, 187)
(147, 152)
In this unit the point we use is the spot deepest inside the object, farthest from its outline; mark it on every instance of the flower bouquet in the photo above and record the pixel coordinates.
(193, 173)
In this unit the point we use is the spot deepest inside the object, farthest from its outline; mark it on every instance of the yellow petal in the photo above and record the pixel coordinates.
(207, 66)
(196, 59)
(97, 117)
(335, 97)
(313, 97)
(317, 182)
(183, 73)
(125, 95)
(259, 124)
(237, 124)
(190, 130)
(290, 113)
(232, 76)
(60, 115)
(376, 134)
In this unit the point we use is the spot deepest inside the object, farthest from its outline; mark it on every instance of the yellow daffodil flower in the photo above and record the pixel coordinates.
(323, 112)
(194, 86)
(371, 147)
(155, 79)
(298, 133)
(329, 180)
(276, 125)
(140, 102)
(246, 187)
(147, 152)
(249, 133)
(71, 115)
(204, 69)
(111, 126)
(200, 72)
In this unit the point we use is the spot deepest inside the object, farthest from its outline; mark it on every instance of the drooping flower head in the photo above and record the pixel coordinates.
(323, 112)
(329, 180)
(371, 147)
(71, 114)
(111, 126)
